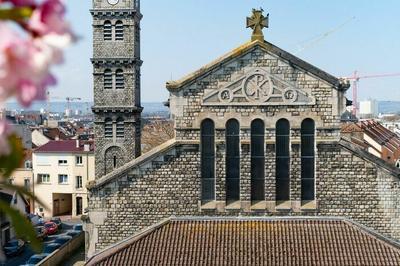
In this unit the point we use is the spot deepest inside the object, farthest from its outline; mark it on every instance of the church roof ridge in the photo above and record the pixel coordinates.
(338, 83)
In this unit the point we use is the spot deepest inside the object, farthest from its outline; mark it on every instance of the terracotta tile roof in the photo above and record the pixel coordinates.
(64, 146)
(308, 241)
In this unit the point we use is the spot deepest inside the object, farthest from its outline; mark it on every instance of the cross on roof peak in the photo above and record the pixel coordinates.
(257, 22)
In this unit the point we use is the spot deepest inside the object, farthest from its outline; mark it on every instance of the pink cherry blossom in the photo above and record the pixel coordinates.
(5, 131)
(48, 18)
(25, 61)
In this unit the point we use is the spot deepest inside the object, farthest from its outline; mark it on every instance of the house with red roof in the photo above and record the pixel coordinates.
(62, 168)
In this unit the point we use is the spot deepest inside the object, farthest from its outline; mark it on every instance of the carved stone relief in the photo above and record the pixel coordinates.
(258, 87)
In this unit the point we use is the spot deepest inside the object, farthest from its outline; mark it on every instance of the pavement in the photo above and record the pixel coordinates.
(68, 223)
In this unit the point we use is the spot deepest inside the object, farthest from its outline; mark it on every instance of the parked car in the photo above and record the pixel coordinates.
(35, 219)
(51, 228)
(72, 233)
(14, 247)
(62, 239)
(48, 249)
(77, 227)
(57, 221)
(41, 232)
(35, 259)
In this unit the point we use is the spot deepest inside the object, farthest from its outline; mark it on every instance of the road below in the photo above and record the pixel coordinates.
(24, 256)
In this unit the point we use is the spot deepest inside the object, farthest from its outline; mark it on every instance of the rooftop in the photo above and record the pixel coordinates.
(253, 241)
(69, 146)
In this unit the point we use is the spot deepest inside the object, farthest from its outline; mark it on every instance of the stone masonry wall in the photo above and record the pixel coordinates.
(346, 185)
(189, 111)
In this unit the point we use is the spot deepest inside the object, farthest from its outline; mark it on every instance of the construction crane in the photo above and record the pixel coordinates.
(356, 78)
(313, 41)
(69, 100)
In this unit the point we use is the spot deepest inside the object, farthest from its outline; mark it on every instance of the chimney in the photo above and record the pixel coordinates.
(86, 147)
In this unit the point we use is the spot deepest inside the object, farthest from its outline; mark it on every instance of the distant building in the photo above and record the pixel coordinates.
(368, 109)
(23, 177)
(61, 171)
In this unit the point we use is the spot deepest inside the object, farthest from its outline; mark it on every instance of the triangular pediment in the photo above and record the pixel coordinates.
(258, 87)
(267, 47)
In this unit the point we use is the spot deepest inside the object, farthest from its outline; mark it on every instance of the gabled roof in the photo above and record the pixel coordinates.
(339, 84)
(253, 241)
(65, 146)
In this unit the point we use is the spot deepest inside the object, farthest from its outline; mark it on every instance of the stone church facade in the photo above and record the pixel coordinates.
(257, 134)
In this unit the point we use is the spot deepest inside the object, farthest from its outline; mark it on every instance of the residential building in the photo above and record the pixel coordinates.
(16, 201)
(61, 171)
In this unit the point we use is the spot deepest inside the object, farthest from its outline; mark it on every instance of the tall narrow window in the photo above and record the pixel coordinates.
(108, 79)
(108, 128)
(232, 161)
(119, 79)
(120, 132)
(207, 161)
(282, 162)
(257, 161)
(107, 30)
(115, 161)
(119, 31)
(308, 160)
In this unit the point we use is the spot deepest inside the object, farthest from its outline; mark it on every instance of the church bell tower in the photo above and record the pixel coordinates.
(116, 77)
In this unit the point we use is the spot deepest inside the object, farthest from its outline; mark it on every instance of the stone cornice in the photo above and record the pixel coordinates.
(115, 13)
(112, 62)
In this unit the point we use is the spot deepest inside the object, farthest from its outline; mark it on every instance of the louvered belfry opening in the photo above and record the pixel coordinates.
(119, 31)
(107, 30)
(282, 163)
(119, 79)
(108, 79)
(120, 132)
(257, 160)
(207, 161)
(108, 128)
(307, 160)
(232, 161)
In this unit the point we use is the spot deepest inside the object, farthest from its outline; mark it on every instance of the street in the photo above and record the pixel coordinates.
(27, 253)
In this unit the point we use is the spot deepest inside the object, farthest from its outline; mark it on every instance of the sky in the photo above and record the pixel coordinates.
(180, 36)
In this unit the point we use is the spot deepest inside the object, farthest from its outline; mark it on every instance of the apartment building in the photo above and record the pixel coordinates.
(61, 170)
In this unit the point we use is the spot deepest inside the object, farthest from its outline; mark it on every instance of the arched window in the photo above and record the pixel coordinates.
(257, 161)
(107, 30)
(108, 128)
(119, 31)
(207, 132)
(120, 132)
(308, 160)
(282, 163)
(108, 79)
(232, 161)
(119, 79)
